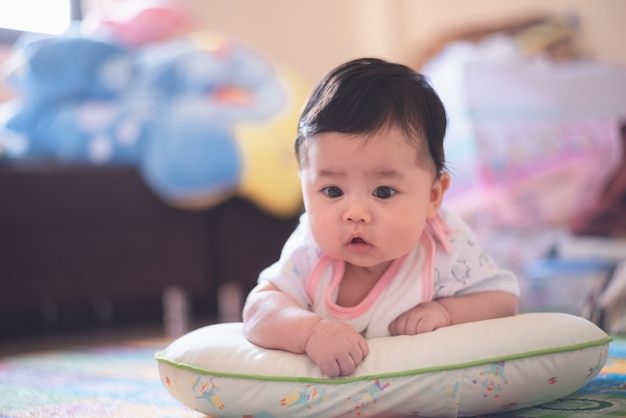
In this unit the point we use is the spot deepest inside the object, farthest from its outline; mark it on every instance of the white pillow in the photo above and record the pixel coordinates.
(462, 370)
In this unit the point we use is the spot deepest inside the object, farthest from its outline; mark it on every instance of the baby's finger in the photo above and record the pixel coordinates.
(395, 328)
(412, 325)
(358, 353)
(365, 348)
(346, 364)
(425, 325)
(331, 369)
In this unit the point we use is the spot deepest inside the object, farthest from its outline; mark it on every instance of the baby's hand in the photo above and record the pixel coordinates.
(425, 317)
(336, 347)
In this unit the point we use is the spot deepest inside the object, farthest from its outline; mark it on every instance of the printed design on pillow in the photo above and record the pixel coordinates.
(538, 358)
(208, 391)
(492, 380)
(595, 369)
(307, 396)
(363, 400)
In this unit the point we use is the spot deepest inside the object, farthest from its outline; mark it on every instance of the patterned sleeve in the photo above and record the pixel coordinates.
(467, 268)
(296, 261)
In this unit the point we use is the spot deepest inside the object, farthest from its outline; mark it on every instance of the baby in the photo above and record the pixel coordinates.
(375, 254)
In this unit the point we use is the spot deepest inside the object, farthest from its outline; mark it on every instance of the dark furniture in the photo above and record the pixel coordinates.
(84, 247)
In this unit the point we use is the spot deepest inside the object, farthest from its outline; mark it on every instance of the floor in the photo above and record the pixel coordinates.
(92, 338)
(176, 322)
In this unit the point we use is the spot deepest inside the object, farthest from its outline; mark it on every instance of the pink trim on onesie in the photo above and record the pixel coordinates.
(351, 312)
(440, 231)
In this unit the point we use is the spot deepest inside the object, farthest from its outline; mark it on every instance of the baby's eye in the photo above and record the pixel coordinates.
(332, 191)
(384, 192)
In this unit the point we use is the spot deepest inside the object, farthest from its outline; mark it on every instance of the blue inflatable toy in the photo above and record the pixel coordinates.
(201, 116)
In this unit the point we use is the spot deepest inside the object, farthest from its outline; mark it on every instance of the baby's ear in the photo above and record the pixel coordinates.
(436, 193)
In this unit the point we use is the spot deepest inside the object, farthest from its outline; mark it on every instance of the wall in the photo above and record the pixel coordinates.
(315, 35)
(312, 36)
(601, 36)
(309, 35)
(5, 92)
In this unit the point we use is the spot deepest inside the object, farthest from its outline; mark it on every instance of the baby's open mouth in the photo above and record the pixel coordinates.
(359, 245)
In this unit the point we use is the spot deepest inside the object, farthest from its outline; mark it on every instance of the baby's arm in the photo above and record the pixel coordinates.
(443, 312)
(272, 319)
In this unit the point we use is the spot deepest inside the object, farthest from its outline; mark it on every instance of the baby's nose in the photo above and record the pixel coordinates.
(357, 213)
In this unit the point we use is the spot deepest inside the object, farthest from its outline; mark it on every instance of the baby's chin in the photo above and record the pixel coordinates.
(368, 263)
(373, 260)
(363, 255)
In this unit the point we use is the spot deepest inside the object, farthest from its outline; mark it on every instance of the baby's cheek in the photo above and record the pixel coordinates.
(405, 235)
(323, 232)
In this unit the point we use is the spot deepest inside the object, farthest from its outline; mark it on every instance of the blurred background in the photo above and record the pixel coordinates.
(146, 168)
(315, 36)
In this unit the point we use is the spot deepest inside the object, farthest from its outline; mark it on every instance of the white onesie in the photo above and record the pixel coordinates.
(446, 262)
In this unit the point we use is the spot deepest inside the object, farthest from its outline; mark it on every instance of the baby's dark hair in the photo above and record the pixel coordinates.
(366, 95)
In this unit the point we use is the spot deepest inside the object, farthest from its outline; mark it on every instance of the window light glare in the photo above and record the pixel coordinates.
(43, 16)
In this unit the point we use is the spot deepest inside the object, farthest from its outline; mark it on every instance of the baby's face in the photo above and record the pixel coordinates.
(367, 200)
